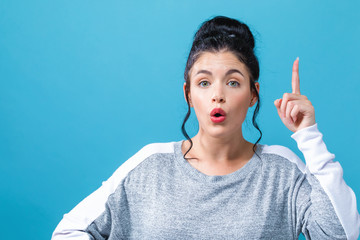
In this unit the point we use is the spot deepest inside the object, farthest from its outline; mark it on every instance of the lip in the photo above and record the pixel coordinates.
(220, 118)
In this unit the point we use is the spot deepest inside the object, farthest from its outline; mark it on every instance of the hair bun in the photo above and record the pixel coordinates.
(224, 27)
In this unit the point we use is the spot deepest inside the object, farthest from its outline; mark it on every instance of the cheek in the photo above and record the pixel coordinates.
(198, 103)
(198, 98)
(241, 105)
(242, 99)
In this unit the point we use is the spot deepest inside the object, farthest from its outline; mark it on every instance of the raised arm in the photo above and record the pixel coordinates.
(329, 194)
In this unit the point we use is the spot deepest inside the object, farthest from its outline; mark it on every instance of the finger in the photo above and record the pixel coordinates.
(284, 101)
(277, 105)
(299, 104)
(295, 81)
(290, 97)
(283, 104)
(294, 113)
(289, 107)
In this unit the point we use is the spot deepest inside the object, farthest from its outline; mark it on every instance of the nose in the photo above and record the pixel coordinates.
(219, 99)
(218, 96)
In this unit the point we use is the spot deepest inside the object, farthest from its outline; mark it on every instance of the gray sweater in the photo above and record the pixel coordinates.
(157, 194)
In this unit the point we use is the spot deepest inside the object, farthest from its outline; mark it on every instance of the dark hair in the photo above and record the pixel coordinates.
(224, 34)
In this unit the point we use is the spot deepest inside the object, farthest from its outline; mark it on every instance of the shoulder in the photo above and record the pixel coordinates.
(146, 152)
(137, 159)
(152, 148)
(280, 153)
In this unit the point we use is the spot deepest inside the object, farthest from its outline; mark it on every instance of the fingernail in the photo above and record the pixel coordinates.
(298, 58)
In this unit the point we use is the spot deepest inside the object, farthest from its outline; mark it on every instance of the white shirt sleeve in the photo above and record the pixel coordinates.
(320, 163)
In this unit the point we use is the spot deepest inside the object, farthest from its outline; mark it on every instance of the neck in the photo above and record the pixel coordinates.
(221, 149)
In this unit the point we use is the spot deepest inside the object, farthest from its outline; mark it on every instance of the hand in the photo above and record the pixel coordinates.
(294, 109)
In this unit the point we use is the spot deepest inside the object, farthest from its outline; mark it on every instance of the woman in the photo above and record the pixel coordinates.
(217, 185)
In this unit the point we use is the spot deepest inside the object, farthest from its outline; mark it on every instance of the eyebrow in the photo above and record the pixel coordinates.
(231, 71)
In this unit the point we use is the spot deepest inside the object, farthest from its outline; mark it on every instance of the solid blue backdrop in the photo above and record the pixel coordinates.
(86, 84)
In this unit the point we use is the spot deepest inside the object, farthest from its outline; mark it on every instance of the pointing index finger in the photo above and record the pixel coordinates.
(295, 81)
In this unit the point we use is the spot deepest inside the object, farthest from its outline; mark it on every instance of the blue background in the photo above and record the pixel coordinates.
(86, 84)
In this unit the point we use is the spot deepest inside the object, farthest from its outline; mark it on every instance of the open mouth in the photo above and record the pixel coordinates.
(217, 115)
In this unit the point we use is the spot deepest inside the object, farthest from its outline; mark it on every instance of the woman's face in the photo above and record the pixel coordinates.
(219, 81)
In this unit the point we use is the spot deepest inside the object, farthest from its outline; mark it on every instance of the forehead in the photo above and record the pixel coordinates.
(218, 62)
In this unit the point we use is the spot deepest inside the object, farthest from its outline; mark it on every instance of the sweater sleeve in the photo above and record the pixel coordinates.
(326, 176)
(91, 218)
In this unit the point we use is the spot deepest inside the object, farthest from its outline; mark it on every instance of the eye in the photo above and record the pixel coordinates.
(204, 83)
(233, 84)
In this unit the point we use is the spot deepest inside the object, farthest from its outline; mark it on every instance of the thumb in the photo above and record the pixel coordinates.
(277, 103)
